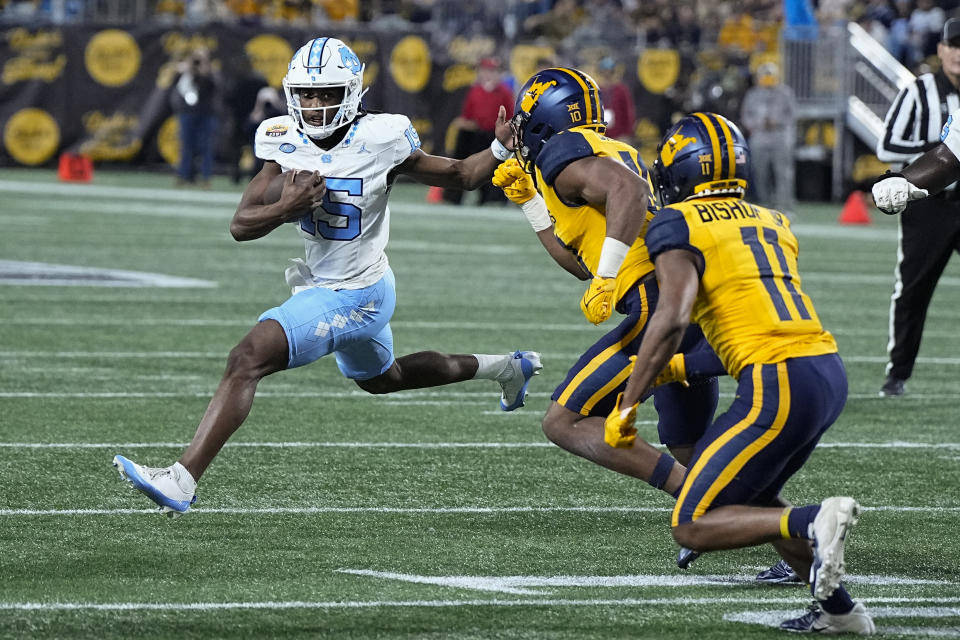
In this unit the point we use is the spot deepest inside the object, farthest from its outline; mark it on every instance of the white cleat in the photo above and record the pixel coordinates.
(160, 484)
(834, 520)
(522, 367)
(816, 620)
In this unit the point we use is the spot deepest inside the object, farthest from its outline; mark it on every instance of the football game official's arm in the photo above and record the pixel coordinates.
(679, 282)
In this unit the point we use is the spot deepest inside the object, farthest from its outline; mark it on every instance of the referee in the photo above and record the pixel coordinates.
(929, 228)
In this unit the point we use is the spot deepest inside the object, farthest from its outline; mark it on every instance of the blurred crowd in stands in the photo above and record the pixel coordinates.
(721, 43)
(908, 28)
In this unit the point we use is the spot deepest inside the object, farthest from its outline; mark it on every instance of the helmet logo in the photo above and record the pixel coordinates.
(350, 60)
(533, 94)
(673, 147)
(574, 110)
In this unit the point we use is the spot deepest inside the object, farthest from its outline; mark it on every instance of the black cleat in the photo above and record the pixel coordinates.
(816, 620)
(892, 387)
(780, 573)
(686, 557)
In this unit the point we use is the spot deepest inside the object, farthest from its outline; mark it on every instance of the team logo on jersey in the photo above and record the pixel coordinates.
(673, 147)
(350, 60)
(326, 158)
(533, 94)
(276, 130)
(286, 147)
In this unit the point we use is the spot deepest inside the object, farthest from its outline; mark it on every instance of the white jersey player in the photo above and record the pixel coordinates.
(930, 173)
(345, 238)
(343, 293)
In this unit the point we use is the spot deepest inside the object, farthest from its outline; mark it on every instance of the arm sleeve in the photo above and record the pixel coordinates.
(905, 126)
(561, 150)
(407, 142)
(668, 231)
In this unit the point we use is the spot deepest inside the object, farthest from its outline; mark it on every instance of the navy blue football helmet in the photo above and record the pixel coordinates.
(551, 101)
(702, 155)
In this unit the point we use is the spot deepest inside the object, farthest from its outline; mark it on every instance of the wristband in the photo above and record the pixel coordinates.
(536, 211)
(611, 257)
(500, 152)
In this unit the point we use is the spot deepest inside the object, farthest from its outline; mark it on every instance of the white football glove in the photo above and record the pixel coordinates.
(892, 194)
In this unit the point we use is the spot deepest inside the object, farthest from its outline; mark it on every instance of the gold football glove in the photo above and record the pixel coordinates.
(618, 429)
(675, 371)
(516, 183)
(597, 303)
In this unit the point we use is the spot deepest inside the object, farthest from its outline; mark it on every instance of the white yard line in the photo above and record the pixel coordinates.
(895, 444)
(569, 356)
(322, 510)
(405, 510)
(403, 397)
(546, 585)
(774, 618)
(364, 604)
(395, 398)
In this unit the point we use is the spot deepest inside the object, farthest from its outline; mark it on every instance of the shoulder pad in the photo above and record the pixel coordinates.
(380, 128)
(276, 138)
(385, 131)
(561, 150)
(669, 230)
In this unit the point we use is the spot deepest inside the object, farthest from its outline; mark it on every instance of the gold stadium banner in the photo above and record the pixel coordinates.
(659, 69)
(106, 91)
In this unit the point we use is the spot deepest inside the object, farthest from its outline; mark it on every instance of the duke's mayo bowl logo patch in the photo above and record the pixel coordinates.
(276, 130)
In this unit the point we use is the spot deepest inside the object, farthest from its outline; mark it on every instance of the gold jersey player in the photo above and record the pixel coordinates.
(731, 267)
(589, 198)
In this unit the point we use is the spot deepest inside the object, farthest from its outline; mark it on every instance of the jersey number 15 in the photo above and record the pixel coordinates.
(322, 228)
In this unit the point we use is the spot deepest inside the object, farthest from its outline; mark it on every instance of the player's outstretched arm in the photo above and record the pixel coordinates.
(932, 172)
(269, 201)
(935, 170)
(469, 173)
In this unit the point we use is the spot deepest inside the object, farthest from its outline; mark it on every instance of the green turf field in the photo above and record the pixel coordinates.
(426, 514)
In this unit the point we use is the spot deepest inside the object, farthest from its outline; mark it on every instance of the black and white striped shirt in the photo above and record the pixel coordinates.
(916, 117)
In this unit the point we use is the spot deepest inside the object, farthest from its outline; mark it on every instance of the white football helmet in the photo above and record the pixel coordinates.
(324, 62)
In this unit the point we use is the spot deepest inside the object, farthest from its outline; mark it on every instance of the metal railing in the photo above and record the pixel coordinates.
(846, 76)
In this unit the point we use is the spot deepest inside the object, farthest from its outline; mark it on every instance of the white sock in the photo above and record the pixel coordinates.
(491, 367)
(184, 479)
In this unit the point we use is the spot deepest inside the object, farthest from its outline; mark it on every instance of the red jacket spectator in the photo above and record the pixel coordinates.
(618, 104)
(485, 97)
(477, 121)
